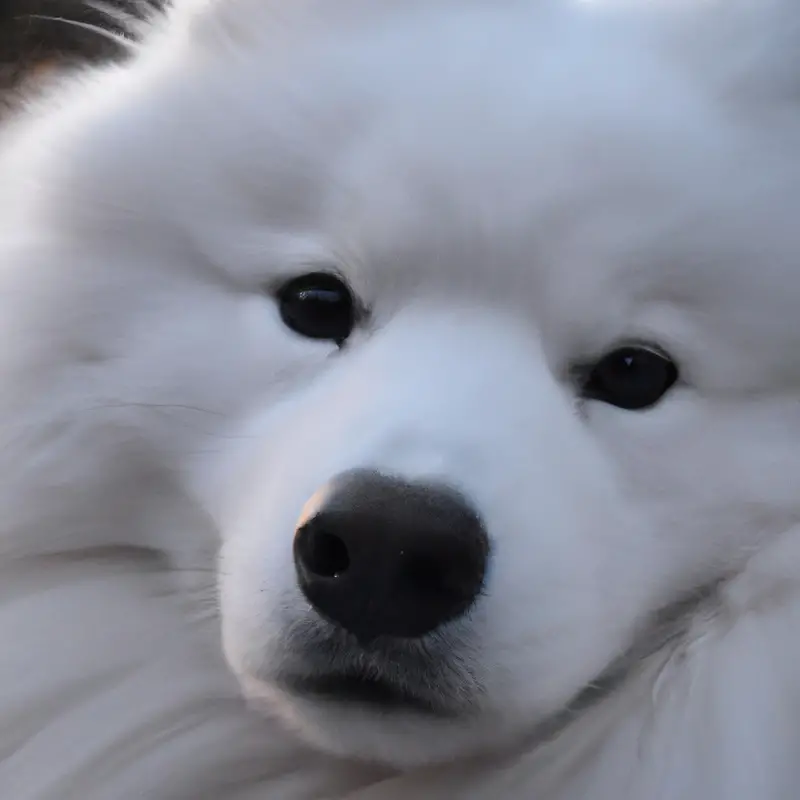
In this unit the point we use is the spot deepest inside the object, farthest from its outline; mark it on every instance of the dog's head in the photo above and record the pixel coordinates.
(471, 326)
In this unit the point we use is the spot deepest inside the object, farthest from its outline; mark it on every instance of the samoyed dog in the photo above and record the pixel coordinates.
(400, 399)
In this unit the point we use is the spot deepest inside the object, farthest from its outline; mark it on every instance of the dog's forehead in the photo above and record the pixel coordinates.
(402, 136)
(438, 145)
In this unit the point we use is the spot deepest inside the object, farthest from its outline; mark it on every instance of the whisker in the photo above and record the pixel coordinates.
(158, 407)
(119, 39)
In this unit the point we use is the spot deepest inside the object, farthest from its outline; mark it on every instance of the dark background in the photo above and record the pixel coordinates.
(29, 45)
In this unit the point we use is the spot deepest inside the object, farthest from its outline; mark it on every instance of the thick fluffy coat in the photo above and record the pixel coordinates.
(512, 190)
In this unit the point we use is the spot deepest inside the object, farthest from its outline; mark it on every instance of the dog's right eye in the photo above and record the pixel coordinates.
(318, 306)
(631, 378)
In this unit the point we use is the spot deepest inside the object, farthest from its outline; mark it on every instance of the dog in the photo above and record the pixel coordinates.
(401, 400)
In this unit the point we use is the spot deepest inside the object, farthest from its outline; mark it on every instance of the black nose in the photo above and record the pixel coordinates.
(381, 557)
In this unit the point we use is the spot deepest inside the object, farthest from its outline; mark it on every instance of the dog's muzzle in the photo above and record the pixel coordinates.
(385, 563)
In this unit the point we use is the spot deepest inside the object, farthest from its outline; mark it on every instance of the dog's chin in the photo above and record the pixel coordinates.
(371, 694)
(363, 718)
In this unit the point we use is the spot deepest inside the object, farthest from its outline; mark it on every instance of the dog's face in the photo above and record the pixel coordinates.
(474, 330)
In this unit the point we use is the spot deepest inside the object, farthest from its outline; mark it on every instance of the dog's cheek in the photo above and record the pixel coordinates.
(712, 479)
(197, 361)
(562, 604)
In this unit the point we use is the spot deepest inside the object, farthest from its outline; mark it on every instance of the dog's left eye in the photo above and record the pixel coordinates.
(632, 378)
(318, 306)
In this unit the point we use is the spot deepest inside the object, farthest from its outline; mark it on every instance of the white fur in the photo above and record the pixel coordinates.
(511, 187)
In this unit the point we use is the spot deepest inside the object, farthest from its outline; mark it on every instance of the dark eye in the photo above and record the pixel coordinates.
(318, 306)
(633, 378)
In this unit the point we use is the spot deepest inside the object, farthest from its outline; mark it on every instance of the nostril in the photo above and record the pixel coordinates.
(322, 553)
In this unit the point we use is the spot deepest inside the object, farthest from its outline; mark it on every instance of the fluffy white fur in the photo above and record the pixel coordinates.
(511, 187)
